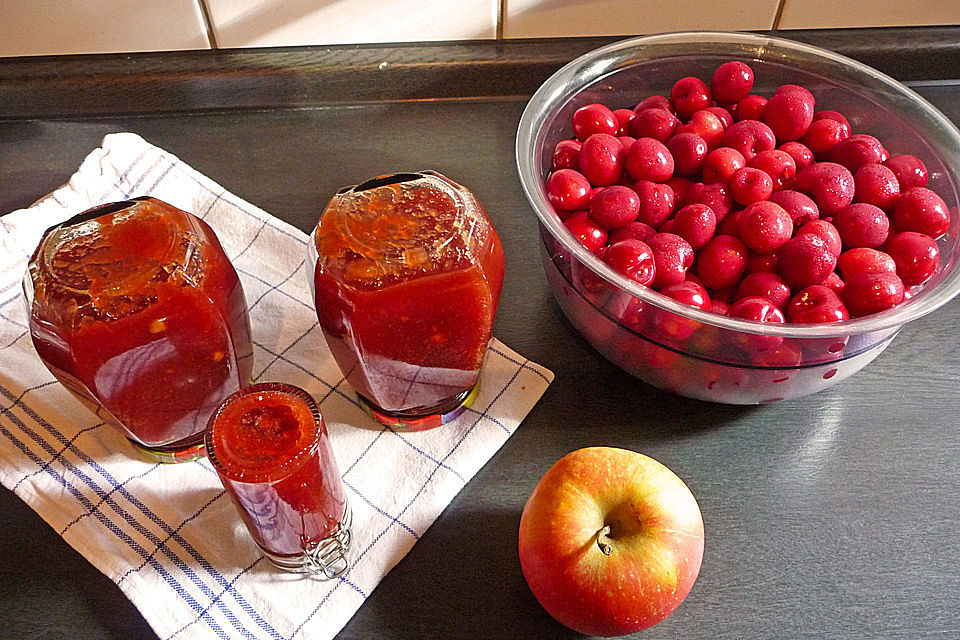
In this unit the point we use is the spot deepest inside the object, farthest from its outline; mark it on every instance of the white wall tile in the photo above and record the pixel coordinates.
(820, 14)
(544, 18)
(40, 27)
(249, 23)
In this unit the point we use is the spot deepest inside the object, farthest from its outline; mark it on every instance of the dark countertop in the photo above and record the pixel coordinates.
(833, 516)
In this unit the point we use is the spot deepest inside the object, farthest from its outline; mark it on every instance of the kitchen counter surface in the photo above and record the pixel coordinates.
(833, 516)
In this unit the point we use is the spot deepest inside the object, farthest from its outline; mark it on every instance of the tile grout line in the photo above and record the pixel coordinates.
(501, 11)
(208, 23)
(776, 17)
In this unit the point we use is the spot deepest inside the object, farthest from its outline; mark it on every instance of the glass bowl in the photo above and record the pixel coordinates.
(701, 354)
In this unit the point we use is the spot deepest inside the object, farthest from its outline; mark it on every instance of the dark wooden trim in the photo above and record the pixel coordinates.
(290, 77)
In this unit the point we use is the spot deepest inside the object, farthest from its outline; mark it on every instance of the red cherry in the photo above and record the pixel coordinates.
(789, 112)
(614, 207)
(649, 159)
(826, 231)
(634, 231)
(862, 225)
(725, 117)
(758, 262)
(731, 82)
(689, 95)
(750, 108)
(800, 207)
(805, 260)
(680, 186)
(722, 262)
(823, 135)
(749, 185)
(779, 165)
(759, 310)
(568, 190)
(765, 227)
(705, 124)
(858, 150)
(787, 355)
(673, 256)
(654, 123)
(853, 262)
(594, 118)
(623, 116)
(920, 209)
(801, 155)
(749, 137)
(601, 159)
(654, 102)
(816, 304)
(716, 196)
(834, 282)
(656, 202)
(916, 256)
(695, 223)
(675, 327)
(566, 155)
(869, 293)
(632, 259)
(721, 164)
(730, 225)
(829, 184)
(877, 185)
(626, 142)
(909, 170)
(589, 233)
(667, 226)
(689, 152)
(719, 307)
(834, 115)
(764, 284)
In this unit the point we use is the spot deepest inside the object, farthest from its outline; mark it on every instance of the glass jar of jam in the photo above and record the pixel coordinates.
(136, 310)
(269, 445)
(406, 284)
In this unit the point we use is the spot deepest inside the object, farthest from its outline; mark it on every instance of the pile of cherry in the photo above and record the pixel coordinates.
(762, 209)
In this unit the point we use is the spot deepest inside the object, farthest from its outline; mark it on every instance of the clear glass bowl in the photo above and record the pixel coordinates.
(696, 353)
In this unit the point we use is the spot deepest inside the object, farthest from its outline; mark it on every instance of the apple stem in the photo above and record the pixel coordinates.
(602, 543)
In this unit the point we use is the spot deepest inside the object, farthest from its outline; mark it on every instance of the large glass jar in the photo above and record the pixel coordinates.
(136, 310)
(407, 281)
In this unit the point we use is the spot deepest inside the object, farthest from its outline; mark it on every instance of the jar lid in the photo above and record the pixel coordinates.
(420, 423)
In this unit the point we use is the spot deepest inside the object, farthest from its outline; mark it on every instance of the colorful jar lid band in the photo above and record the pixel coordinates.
(193, 452)
(424, 422)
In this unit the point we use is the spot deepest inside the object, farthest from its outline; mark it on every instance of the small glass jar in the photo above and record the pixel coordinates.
(136, 310)
(269, 445)
(407, 279)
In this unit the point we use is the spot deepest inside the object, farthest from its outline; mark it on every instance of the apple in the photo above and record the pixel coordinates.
(610, 541)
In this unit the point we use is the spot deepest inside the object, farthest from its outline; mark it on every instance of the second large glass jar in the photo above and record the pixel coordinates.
(407, 278)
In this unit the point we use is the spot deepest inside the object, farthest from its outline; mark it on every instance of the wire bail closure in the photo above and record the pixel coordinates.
(327, 558)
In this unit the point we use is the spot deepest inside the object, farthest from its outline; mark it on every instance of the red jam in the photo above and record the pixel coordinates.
(138, 312)
(270, 448)
(406, 287)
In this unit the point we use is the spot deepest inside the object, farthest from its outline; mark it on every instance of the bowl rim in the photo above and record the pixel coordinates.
(609, 59)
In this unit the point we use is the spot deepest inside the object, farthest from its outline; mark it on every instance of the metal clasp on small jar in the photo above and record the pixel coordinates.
(327, 558)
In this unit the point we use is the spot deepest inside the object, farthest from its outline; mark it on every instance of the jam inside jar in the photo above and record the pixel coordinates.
(135, 308)
(269, 445)
(406, 285)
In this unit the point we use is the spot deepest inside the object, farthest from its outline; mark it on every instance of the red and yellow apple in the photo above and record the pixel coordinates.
(610, 541)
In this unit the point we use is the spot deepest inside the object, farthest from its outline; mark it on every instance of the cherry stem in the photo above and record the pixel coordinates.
(601, 540)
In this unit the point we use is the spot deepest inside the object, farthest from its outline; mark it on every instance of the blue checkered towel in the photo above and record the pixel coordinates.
(166, 534)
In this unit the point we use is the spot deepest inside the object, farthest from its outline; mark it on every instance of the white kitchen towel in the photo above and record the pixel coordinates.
(166, 534)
